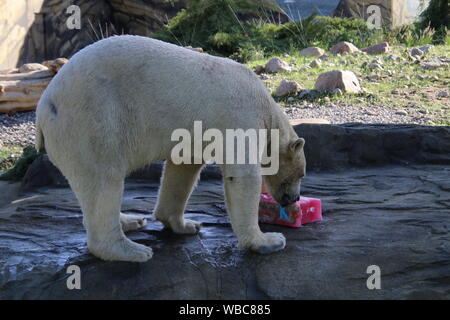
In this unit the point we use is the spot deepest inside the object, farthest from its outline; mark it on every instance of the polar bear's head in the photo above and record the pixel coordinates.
(284, 186)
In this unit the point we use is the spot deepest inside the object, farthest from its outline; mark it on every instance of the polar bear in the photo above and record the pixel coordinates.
(112, 108)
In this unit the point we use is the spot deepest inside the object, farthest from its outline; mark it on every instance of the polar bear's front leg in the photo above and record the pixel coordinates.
(176, 186)
(242, 199)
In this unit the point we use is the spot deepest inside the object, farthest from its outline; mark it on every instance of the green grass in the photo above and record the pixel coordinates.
(14, 168)
(412, 90)
(9, 156)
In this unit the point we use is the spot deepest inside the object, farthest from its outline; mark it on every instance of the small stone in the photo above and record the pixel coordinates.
(275, 65)
(286, 88)
(401, 113)
(416, 52)
(392, 57)
(432, 65)
(55, 65)
(337, 92)
(344, 80)
(425, 48)
(259, 69)
(198, 49)
(442, 94)
(315, 64)
(378, 48)
(312, 52)
(343, 47)
(304, 94)
(375, 66)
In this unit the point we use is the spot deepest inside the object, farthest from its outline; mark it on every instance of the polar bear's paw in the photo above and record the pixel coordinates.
(121, 250)
(189, 227)
(131, 222)
(184, 226)
(270, 242)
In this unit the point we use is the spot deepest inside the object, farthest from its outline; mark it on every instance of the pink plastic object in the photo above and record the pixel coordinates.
(304, 211)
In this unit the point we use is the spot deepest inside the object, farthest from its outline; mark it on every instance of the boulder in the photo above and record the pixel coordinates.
(344, 80)
(312, 52)
(378, 48)
(287, 88)
(275, 65)
(343, 47)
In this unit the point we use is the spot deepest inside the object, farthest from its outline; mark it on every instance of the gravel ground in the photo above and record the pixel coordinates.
(365, 114)
(19, 129)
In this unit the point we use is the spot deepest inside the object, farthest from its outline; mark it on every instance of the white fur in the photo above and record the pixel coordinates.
(112, 108)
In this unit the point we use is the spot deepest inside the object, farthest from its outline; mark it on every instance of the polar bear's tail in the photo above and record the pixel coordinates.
(39, 142)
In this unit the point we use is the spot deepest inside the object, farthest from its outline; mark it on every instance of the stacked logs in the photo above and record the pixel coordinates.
(21, 88)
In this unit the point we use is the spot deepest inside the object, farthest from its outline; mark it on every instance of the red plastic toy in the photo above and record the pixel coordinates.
(304, 211)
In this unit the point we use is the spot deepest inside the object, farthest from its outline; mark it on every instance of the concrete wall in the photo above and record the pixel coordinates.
(16, 17)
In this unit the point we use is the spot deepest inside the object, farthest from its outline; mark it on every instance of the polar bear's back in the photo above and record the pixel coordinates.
(165, 77)
(127, 94)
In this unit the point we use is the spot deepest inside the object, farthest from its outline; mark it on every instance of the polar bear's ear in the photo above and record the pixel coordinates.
(297, 145)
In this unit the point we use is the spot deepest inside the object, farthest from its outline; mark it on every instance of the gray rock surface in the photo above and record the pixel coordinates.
(385, 192)
(396, 218)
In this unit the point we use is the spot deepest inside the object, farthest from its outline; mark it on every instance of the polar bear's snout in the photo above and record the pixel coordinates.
(288, 199)
(285, 185)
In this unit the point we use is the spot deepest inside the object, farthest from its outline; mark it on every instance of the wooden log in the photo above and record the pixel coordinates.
(21, 96)
(27, 76)
(18, 85)
(13, 107)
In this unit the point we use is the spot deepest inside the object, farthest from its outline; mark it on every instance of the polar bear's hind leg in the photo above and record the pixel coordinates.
(100, 201)
(176, 186)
